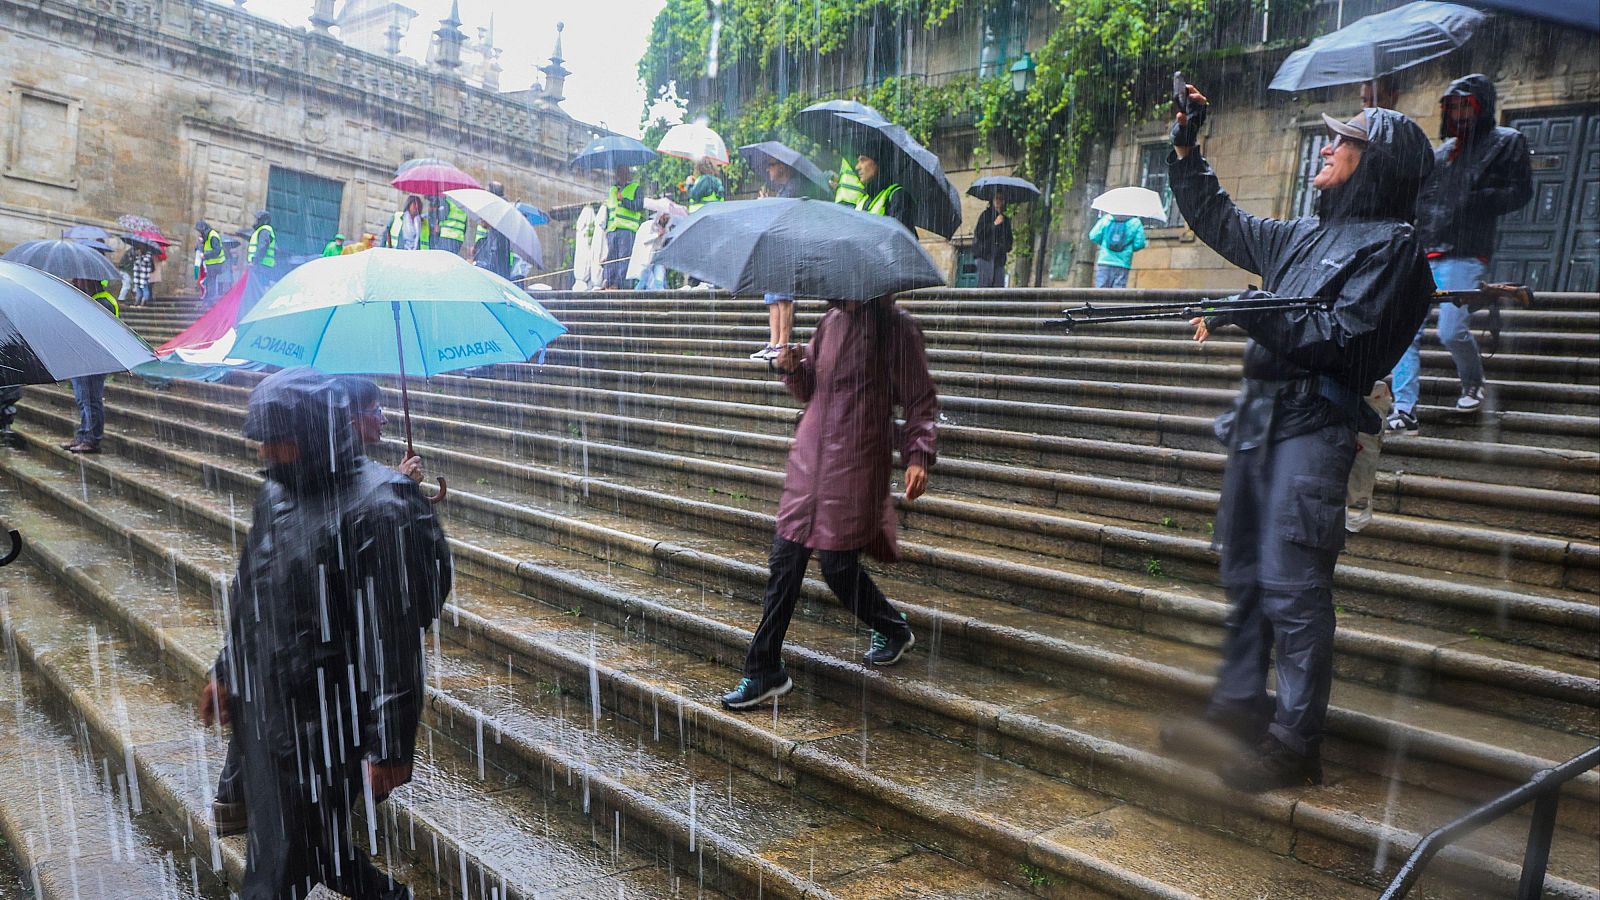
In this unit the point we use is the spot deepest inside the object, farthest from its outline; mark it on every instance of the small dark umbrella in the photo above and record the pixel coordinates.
(85, 233)
(533, 214)
(64, 259)
(914, 167)
(612, 151)
(50, 331)
(1377, 45)
(800, 248)
(1015, 190)
(759, 155)
(1575, 13)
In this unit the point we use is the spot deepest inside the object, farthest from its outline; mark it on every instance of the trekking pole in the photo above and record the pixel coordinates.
(1089, 314)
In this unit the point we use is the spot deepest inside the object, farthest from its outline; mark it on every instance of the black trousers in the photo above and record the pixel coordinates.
(842, 570)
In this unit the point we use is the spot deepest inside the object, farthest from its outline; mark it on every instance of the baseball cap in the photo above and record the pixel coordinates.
(1355, 129)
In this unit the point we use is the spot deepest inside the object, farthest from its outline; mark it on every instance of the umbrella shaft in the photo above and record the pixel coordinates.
(405, 398)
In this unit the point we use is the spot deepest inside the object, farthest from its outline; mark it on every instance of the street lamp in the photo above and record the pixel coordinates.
(1022, 73)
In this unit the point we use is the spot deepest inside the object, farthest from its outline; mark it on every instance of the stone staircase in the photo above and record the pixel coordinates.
(610, 511)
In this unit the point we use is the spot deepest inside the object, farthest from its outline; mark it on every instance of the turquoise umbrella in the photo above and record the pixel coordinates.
(335, 314)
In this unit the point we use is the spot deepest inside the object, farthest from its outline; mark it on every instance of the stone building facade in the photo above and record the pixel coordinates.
(182, 109)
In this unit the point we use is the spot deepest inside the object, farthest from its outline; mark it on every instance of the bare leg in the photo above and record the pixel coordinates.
(774, 327)
(784, 327)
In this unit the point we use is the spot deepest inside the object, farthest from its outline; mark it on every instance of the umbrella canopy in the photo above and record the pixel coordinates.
(800, 248)
(1131, 201)
(612, 151)
(819, 121)
(85, 233)
(333, 312)
(693, 140)
(1015, 190)
(420, 161)
(663, 205)
(50, 331)
(64, 259)
(137, 223)
(1572, 13)
(533, 214)
(432, 179)
(499, 214)
(1378, 45)
(759, 155)
(906, 162)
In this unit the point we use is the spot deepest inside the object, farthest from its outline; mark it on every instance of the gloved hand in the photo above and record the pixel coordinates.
(1186, 126)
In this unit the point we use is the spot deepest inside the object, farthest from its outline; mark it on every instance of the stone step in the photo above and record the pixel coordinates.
(1032, 536)
(519, 573)
(75, 827)
(477, 816)
(486, 618)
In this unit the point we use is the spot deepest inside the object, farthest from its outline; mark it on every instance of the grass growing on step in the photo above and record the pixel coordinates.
(575, 611)
(1170, 522)
(1153, 566)
(736, 495)
(1036, 876)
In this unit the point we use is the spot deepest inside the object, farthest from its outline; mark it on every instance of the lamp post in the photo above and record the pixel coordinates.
(1022, 73)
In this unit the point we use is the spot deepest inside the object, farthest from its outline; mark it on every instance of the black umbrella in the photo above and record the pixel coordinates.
(1015, 190)
(759, 155)
(1377, 45)
(1575, 13)
(799, 248)
(50, 331)
(612, 151)
(906, 162)
(64, 259)
(85, 233)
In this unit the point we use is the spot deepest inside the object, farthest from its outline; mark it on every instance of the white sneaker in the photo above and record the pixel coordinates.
(1470, 399)
(767, 351)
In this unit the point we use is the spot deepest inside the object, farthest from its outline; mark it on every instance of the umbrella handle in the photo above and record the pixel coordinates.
(16, 548)
(443, 490)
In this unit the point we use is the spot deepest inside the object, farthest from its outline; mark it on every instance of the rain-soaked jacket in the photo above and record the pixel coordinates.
(1477, 178)
(344, 568)
(863, 360)
(1360, 250)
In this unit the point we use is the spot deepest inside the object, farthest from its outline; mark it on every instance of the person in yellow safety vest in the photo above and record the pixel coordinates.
(849, 190)
(409, 229)
(883, 197)
(211, 261)
(334, 247)
(452, 221)
(708, 187)
(105, 298)
(90, 390)
(263, 250)
(624, 215)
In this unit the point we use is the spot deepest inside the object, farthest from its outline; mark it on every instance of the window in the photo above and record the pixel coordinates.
(44, 138)
(1153, 176)
(1310, 162)
(1004, 32)
(966, 268)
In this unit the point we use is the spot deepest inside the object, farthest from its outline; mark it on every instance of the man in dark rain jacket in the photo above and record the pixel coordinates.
(1291, 434)
(1480, 173)
(321, 674)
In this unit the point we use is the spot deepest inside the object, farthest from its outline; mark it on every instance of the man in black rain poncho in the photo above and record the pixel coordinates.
(321, 674)
(1291, 434)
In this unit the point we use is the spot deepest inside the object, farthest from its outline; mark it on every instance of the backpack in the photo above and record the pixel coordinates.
(1117, 237)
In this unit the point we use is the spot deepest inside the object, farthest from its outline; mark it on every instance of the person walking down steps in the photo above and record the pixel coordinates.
(863, 360)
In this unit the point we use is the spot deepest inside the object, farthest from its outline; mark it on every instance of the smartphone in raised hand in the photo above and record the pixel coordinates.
(1180, 93)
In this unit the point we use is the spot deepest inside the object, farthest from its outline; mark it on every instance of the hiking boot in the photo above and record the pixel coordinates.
(756, 691)
(1471, 399)
(228, 818)
(1271, 766)
(887, 649)
(1405, 421)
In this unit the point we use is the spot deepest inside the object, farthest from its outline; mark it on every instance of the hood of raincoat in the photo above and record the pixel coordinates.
(1395, 162)
(311, 410)
(201, 227)
(263, 218)
(1480, 88)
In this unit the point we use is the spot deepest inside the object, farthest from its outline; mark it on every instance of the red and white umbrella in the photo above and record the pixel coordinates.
(431, 179)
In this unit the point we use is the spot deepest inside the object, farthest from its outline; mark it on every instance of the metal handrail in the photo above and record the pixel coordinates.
(1543, 789)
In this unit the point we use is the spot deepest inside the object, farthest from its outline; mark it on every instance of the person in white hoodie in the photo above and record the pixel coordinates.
(648, 276)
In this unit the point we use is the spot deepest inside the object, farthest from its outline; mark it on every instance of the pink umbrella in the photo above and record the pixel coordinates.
(433, 179)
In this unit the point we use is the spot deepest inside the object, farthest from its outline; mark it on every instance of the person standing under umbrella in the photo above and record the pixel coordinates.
(140, 261)
(707, 186)
(882, 196)
(409, 229)
(1119, 238)
(782, 181)
(263, 251)
(624, 215)
(452, 221)
(991, 242)
(90, 390)
(211, 262)
(863, 360)
(493, 251)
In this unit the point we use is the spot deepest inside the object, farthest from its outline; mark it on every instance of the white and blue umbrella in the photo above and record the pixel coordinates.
(394, 312)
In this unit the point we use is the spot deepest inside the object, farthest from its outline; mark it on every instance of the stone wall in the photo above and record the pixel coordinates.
(177, 109)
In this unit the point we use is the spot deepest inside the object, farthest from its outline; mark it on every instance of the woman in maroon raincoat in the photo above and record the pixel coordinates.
(863, 360)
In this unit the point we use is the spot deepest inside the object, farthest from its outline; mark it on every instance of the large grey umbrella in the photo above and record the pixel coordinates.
(1378, 45)
(1015, 190)
(50, 331)
(799, 248)
(906, 162)
(759, 155)
(611, 151)
(64, 259)
(499, 214)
